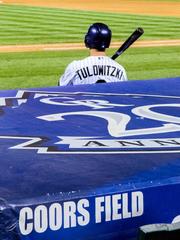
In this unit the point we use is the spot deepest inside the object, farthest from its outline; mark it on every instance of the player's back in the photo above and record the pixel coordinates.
(94, 69)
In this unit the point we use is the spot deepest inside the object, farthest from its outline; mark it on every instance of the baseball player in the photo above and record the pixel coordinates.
(97, 67)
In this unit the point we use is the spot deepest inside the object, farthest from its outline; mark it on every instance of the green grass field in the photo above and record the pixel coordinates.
(22, 25)
(41, 69)
(30, 25)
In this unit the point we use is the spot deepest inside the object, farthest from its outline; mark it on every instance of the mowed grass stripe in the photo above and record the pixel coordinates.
(42, 69)
(35, 29)
(77, 14)
(48, 11)
(71, 27)
(23, 25)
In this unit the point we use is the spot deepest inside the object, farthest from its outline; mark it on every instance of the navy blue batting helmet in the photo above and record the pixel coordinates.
(98, 36)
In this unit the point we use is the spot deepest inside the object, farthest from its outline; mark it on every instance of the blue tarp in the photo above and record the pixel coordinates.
(89, 162)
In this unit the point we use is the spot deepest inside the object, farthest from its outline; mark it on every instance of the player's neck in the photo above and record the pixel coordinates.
(94, 52)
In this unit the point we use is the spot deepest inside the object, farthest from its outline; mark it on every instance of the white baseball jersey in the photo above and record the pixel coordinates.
(92, 69)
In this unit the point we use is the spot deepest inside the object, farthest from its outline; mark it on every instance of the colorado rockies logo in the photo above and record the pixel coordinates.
(85, 122)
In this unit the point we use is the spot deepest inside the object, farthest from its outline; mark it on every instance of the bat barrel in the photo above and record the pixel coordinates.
(132, 38)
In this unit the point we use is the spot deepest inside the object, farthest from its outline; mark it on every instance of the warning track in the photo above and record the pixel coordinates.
(79, 46)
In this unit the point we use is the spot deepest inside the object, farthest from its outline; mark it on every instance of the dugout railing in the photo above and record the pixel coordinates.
(159, 232)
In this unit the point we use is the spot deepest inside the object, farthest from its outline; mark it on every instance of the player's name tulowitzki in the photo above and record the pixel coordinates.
(99, 70)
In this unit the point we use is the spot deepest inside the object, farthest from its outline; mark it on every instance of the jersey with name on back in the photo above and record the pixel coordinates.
(91, 70)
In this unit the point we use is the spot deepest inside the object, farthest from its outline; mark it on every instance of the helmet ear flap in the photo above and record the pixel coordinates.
(86, 40)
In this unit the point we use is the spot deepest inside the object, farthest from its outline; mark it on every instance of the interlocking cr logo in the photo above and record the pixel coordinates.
(97, 122)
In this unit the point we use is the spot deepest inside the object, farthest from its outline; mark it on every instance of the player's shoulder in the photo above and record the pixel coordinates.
(81, 62)
(72, 65)
(77, 62)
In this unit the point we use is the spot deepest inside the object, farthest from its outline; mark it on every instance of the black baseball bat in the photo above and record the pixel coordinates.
(132, 38)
